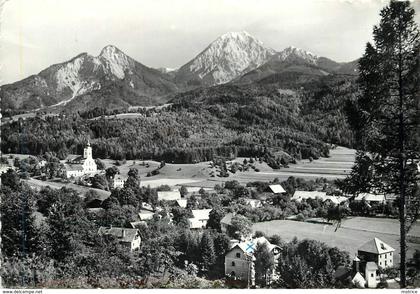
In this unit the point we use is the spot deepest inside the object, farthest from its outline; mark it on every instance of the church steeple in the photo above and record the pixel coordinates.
(87, 153)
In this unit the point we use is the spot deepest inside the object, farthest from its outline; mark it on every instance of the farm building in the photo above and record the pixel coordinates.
(199, 221)
(169, 195)
(182, 203)
(240, 259)
(336, 199)
(277, 189)
(145, 215)
(77, 166)
(128, 237)
(303, 195)
(370, 197)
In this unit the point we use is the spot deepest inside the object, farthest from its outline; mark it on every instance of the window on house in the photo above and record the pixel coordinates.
(238, 255)
(386, 263)
(380, 263)
(233, 263)
(371, 275)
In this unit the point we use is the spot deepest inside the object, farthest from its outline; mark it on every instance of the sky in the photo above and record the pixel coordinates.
(35, 34)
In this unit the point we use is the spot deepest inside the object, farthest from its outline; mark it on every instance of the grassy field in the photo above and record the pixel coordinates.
(57, 185)
(338, 165)
(353, 233)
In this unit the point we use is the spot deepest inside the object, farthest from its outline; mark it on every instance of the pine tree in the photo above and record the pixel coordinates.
(385, 116)
(264, 263)
(208, 255)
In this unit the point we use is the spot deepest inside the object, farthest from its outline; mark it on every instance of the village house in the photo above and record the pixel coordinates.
(371, 257)
(145, 215)
(128, 237)
(199, 221)
(169, 195)
(240, 259)
(277, 189)
(147, 206)
(118, 181)
(336, 199)
(254, 203)
(181, 203)
(377, 251)
(370, 198)
(77, 166)
(304, 195)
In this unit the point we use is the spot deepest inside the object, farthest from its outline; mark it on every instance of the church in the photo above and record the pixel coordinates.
(77, 166)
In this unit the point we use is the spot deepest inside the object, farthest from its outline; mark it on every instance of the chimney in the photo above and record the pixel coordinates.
(356, 263)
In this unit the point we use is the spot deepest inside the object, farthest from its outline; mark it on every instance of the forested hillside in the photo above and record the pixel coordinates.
(228, 120)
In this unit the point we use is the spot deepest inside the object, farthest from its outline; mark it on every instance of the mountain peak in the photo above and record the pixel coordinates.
(293, 52)
(229, 56)
(116, 61)
(241, 34)
(110, 50)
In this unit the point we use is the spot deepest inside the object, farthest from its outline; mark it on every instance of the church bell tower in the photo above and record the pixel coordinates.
(87, 153)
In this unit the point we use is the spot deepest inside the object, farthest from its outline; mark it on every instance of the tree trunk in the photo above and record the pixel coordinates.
(402, 159)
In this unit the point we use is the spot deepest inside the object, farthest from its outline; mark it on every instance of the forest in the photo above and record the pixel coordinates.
(226, 120)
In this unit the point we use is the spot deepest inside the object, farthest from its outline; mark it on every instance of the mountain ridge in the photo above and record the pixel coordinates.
(60, 83)
(234, 57)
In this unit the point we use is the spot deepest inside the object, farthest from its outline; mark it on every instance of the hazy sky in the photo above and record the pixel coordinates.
(168, 33)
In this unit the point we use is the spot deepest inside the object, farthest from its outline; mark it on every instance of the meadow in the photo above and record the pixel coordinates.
(337, 166)
(352, 233)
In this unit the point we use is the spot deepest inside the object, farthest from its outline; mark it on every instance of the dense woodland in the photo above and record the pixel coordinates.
(59, 244)
(225, 121)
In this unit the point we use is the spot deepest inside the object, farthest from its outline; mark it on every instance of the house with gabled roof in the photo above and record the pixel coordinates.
(371, 257)
(181, 203)
(377, 251)
(127, 237)
(145, 215)
(240, 259)
(370, 198)
(277, 189)
(303, 195)
(199, 221)
(336, 199)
